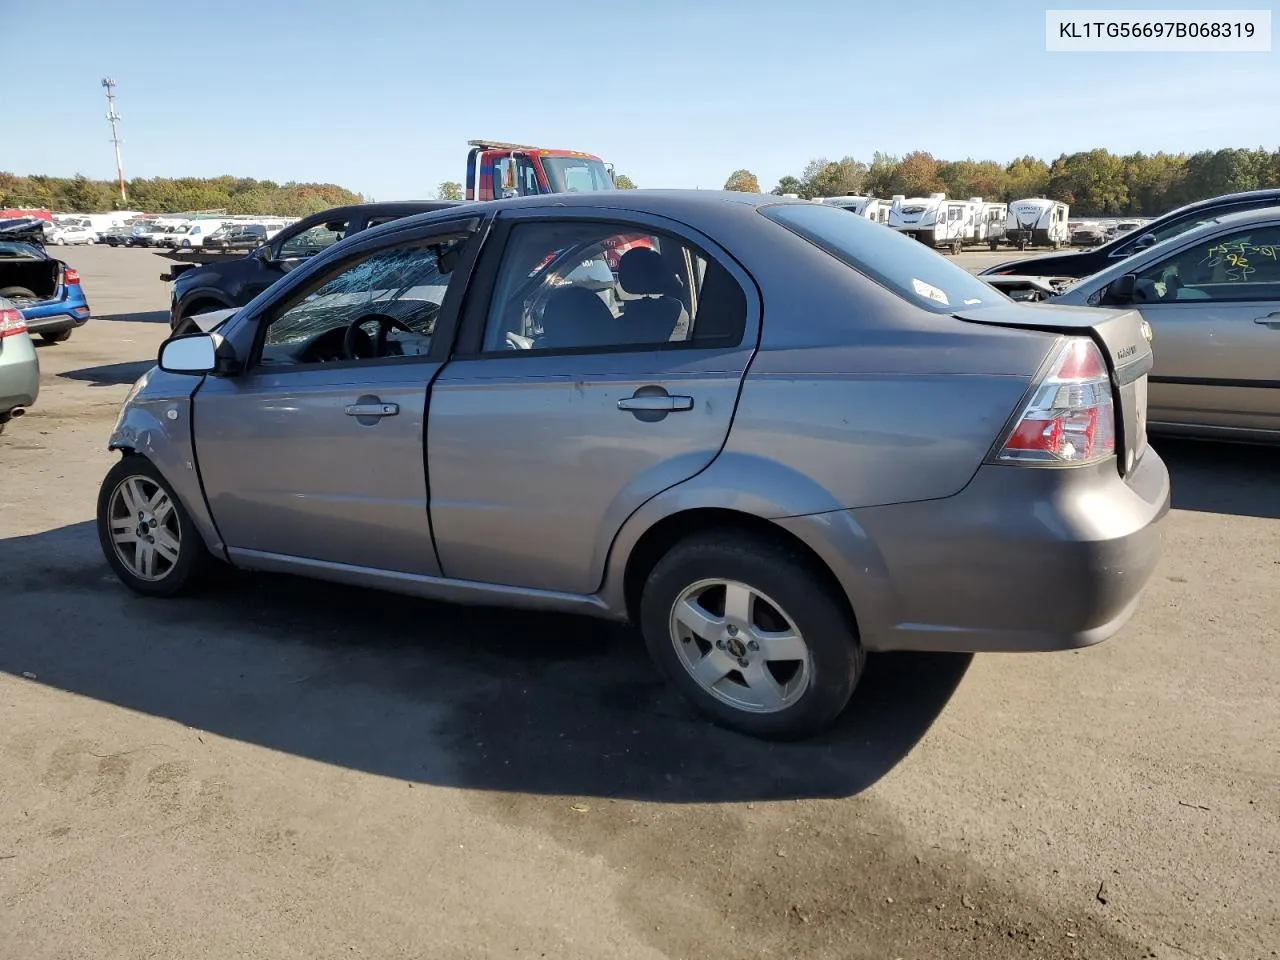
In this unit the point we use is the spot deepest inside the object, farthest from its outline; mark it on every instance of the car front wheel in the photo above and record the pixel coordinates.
(750, 632)
(146, 534)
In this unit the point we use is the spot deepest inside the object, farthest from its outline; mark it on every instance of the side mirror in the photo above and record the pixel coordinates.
(263, 255)
(1144, 241)
(195, 353)
(1121, 289)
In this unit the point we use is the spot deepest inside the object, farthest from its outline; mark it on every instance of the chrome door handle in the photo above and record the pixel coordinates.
(1270, 320)
(372, 409)
(660, 403)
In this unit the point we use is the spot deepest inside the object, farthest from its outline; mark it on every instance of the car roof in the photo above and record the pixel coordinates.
(1227, 198)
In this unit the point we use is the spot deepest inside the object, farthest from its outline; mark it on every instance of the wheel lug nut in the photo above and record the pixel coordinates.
(733, 631)
(719, 644)
(742, 661)
(752, 645)
(151, 522)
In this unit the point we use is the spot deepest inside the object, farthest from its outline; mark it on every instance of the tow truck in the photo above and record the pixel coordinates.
(496, 170)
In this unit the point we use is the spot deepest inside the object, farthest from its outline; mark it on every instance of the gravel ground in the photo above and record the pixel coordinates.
(283, 769)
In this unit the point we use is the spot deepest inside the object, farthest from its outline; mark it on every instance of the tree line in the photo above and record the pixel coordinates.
(1093, 182)
(236, 195)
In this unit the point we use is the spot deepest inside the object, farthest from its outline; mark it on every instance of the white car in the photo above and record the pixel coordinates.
(72, 233)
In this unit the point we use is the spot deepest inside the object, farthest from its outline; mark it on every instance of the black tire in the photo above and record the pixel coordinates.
(56, 336)
(802, 592)
(18, 292)
(193, 558)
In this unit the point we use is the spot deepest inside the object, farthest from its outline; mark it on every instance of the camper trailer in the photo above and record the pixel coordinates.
(1037, 222)
(872, 208)
(991, 222)
(936, 221)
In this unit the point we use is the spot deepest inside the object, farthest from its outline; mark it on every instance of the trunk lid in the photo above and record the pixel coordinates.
(1125, 340)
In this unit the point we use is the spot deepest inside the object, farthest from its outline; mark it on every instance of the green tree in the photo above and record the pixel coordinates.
(743, 181)
(839, 178)
(449, 190)
(623, 182)
(787, 184)
(1026, 177)
(881, 176)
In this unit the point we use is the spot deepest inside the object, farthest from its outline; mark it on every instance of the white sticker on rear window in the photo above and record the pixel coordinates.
(971, 301)
(930, 291)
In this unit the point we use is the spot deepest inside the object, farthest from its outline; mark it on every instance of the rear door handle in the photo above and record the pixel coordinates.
(372, 409)
(659, 403)
(1270, 320)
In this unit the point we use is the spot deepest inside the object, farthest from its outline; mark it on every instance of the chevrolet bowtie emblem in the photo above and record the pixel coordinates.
(1146, 330)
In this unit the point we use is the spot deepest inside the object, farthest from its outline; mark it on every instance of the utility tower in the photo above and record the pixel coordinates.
(114, 118)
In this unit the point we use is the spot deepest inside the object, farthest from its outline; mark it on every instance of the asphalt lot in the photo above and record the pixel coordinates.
(283, 769)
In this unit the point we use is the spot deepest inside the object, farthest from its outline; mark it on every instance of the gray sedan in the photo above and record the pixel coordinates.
(775, 437)
(19, 365)
(1211, 297)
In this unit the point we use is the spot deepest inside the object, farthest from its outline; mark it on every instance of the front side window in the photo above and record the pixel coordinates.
(573, 286)
(383, 305)
(908, 268)
(1240, 266)
(310, 242)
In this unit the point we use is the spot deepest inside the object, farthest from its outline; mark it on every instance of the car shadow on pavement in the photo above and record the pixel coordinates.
(110, 374)
(467, 697)
(139, 316)
(1230, 478)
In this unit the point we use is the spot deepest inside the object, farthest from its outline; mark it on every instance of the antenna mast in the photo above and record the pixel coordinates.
(114, 118)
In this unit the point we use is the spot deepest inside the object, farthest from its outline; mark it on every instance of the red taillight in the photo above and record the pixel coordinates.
(12, 323)
(70, 276)
(1070, 418)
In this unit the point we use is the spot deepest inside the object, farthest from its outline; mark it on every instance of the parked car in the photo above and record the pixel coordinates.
(147, 235)
(72, 233)
(793, 438)
(1082, 263)
(46, 290)
(1211, 297)
(191, 235)
(233, 283)
(116, 236)
(19, 365)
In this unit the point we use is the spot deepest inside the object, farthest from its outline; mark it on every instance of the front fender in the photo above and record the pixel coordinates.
(159, 428)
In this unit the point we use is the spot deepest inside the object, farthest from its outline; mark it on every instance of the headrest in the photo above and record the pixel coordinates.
(641, 271)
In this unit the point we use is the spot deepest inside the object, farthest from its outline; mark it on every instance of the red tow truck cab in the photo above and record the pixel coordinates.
(496, 170)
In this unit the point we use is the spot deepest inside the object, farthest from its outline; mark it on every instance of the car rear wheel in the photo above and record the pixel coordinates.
(146, 534)
(748, 631)
(56, 336)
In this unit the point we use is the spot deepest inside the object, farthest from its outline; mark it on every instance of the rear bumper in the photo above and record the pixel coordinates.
(51, 316)
(1020, 560)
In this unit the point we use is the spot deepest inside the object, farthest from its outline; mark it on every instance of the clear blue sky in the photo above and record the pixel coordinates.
(382, 95)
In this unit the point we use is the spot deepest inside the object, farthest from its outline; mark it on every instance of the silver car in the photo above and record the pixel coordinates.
(777, 438)
(1211, 297)
(19, 365)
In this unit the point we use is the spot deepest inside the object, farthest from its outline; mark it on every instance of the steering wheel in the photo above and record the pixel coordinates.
(377, 343)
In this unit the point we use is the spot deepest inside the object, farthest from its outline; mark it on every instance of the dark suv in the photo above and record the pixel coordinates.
(1086, 262)
(221, 285)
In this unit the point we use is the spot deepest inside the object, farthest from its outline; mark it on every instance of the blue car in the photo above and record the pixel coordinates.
(45, 289)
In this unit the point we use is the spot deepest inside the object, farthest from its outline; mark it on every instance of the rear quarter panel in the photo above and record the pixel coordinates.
(857, 397)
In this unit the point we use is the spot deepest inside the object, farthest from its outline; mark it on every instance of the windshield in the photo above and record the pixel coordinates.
(905, 266)
(576, 174)
(18, 251)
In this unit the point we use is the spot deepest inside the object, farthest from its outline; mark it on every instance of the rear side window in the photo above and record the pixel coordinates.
(905, 266)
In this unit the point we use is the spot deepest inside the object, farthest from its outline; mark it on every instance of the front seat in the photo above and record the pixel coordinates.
(653, 317)
(576, 317)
